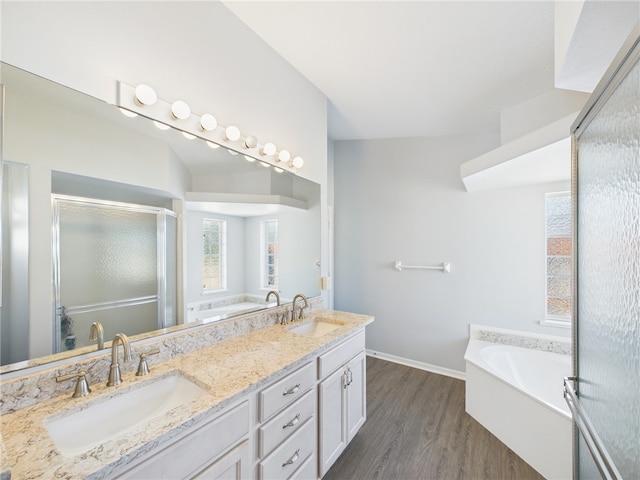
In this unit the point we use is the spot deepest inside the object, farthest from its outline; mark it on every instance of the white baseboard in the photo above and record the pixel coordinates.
(420, 365)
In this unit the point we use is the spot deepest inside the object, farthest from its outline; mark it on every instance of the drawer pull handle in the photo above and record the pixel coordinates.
(291, 391)
(291, 423)
(292, 459)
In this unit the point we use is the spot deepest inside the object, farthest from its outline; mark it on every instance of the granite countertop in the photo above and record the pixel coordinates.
(227, 371)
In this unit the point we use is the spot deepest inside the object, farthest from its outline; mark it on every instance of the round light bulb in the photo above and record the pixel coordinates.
(268, 149)
(265, 164)
(213, 145)
(278, 170)
(232, 133)
(297, 162)
(284, 156)
(249, 159)
(160, 125)
(145, 95)
(251, 142)
(188, 136)
(208, 122)
(180, 110)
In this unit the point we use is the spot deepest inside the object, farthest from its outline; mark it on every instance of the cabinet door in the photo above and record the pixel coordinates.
(235, 465)
(356, 395)
(331, 408)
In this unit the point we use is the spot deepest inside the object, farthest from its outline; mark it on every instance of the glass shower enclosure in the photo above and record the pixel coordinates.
(114, 263)
(604, 394)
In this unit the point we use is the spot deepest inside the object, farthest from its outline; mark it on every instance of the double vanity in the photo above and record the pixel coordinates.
(270, 401)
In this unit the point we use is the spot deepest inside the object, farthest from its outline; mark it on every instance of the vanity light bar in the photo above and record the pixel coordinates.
(144, 101)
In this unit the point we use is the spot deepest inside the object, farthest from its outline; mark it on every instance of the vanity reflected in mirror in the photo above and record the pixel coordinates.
(106, 218)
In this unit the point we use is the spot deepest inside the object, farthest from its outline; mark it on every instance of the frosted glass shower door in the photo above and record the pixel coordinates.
(107, 270)
(607, 324)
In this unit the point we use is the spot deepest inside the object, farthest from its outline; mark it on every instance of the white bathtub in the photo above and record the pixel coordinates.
(221, 312)
(516, 393)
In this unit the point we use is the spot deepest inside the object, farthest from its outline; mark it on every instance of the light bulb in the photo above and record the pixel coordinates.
(145, 95)
(249, 159)
(268, 149)
(265, 164)
(180, 110)
(278, 169)
(284, 156)
(232, 133)
(208, 122)
(297, 162)
(251, 142)
(160, 125)
(232, 152)
(213, 145)
(188, 136)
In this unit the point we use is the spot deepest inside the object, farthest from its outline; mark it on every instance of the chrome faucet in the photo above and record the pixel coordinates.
(97, 333)
(300, 316)
(115, 378)
(273, 292)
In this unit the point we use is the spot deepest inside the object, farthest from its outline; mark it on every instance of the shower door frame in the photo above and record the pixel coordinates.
(161, 263)
(621, 66)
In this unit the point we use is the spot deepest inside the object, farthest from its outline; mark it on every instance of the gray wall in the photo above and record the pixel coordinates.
(402, 199)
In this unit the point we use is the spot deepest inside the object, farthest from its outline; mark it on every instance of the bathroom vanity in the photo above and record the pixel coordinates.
(272, 403)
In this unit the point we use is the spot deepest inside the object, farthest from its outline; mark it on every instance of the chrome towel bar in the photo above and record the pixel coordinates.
(445, 267)
(599, 453)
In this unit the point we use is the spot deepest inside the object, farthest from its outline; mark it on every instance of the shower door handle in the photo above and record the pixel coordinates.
(591, 438)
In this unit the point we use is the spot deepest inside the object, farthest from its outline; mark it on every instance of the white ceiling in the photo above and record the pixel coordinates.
(407, 69)
(399, 68)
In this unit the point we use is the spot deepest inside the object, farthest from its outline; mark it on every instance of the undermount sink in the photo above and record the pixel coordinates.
(315, 327)
(79, 431)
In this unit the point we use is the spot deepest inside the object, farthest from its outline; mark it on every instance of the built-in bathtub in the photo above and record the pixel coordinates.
(224, 307)
(516, 393)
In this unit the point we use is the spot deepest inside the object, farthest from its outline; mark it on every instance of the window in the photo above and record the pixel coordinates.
(214, 264)
(559, 268)
(270, 254)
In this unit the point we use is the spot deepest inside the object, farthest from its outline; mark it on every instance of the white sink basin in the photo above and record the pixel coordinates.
(315, 327)
(102, 420)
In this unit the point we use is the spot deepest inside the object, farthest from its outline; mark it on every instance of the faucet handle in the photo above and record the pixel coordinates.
(143, 367)
(82, 386)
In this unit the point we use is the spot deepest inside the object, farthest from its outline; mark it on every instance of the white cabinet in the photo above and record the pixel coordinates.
(215, 449)
(341, 400)
(292, 429)
(287, 434)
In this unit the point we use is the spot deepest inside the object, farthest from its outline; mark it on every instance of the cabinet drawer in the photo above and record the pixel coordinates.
(307, 471)
(196, 449)
(288, 457)
(283, 425)
(285, 391)
(337, 357)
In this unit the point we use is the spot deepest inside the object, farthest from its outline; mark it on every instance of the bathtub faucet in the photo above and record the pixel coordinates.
(273, 292)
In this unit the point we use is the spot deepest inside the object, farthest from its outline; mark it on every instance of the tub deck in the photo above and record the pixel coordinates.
(512, 392)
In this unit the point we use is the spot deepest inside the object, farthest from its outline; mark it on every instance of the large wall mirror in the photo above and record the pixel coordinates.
(107, 218)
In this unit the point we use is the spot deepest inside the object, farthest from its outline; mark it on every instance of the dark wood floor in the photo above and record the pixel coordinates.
(417, 429)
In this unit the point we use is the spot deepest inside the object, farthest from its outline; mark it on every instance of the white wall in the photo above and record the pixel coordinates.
(402, 199)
